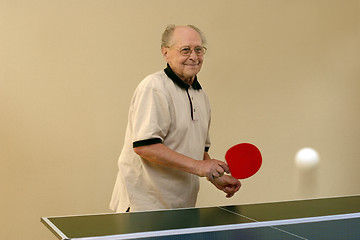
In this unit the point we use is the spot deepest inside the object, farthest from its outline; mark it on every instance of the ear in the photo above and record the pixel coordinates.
(164, 51)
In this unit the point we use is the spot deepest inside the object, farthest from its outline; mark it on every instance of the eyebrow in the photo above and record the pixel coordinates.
(187, 46)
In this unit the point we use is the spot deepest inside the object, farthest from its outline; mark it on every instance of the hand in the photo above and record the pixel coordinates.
(227, 184)
(212, 168)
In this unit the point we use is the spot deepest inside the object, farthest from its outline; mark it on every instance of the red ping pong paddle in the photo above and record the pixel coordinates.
(244, 160)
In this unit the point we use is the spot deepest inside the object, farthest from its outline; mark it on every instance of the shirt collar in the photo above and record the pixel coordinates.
(170, 73)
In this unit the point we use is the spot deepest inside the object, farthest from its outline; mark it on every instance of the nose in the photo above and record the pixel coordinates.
(193, 56)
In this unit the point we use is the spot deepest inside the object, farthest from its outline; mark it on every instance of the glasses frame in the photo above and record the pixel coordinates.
(187, 50)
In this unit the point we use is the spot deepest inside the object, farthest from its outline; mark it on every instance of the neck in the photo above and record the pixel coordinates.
(189, 80)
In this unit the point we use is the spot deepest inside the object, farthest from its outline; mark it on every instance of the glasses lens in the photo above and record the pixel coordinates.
(186, 51)
(200, 51)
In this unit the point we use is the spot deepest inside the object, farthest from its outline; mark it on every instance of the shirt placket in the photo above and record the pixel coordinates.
(192, 105)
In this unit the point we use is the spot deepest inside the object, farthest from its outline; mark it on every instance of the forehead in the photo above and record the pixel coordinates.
(186, 36)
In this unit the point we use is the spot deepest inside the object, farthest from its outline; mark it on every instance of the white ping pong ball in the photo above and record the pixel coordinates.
(306, 158)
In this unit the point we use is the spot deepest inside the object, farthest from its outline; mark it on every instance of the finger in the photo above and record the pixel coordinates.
(220, 171)
(230, 189)
(235, 181)
(229, 195)
(224, 166)
(237, 186)
(216, 174)
(210, 177)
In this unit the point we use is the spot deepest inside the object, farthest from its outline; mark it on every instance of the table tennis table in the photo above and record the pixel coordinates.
(323, 218)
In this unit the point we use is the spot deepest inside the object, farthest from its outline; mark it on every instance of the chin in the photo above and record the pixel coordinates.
(193, 70)
(191, 74)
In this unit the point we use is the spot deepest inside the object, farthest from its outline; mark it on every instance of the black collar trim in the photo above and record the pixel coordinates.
(170, 73)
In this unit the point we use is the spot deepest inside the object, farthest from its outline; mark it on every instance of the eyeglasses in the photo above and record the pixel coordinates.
(199, 50)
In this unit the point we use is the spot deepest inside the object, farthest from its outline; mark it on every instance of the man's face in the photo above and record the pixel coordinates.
(186, 67)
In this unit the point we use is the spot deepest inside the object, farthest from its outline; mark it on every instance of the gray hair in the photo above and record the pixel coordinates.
(167, 35)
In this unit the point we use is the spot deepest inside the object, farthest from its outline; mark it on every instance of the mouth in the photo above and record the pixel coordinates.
(192, 64)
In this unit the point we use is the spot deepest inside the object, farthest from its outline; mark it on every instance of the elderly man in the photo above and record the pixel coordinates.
(167, 136)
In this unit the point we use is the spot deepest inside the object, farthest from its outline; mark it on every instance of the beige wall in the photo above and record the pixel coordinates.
(280, 74)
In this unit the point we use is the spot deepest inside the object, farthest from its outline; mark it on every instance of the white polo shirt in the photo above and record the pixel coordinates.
(166, 110)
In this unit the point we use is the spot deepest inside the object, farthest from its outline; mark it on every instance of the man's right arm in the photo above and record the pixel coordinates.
(160, 154)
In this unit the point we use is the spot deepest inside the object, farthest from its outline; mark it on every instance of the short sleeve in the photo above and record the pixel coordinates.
(149, 114)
